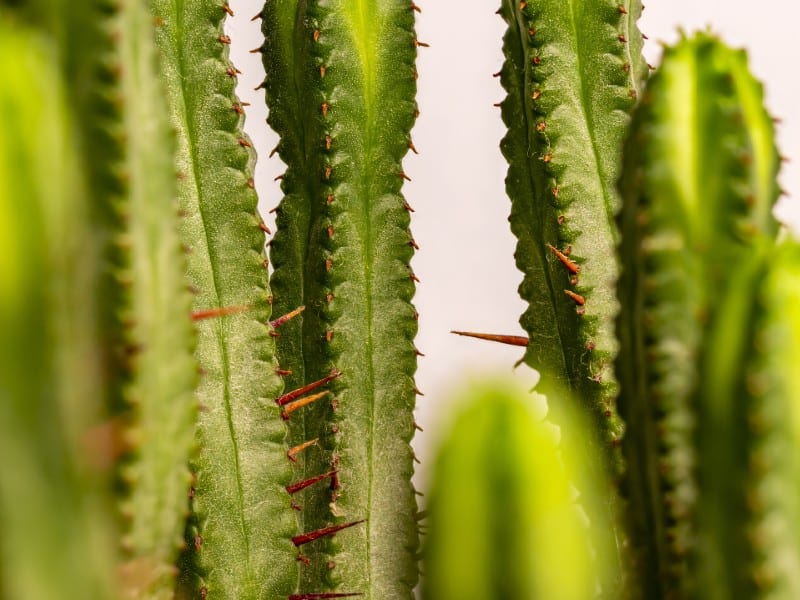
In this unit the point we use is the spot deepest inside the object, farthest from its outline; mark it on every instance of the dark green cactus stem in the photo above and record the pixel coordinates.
(699, 185)
(53, 509)
(573, 71)
(240, 542)
(340, 87)
(502, 517)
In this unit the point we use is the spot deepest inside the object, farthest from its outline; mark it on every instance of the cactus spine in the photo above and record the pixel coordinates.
(240, 539)
(340, 87)
(699, 185)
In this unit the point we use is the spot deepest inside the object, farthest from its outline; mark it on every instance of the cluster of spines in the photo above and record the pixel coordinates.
(563, 149)
(340, 88)
(698, 187)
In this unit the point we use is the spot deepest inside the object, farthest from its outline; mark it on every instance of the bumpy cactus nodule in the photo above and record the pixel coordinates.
(698, 187)
(340, 87)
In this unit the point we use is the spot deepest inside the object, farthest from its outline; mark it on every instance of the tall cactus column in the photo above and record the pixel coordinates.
(340, 88)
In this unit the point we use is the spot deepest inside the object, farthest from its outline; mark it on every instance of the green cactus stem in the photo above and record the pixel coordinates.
(502, 515)
(572, 71)
(54, 510)
(340, 87)
(240, 542)
(699, 185)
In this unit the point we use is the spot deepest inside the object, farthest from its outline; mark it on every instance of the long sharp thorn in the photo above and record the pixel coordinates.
(305, 538)
(290, 408)
(287, 317)
(511, 340)
(565, 260)
(211, 313)
(294, 394)
(324, 595)
(301, 485)
(293, 452)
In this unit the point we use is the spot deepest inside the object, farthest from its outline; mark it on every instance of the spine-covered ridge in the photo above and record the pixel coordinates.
(342, 99)
(239, 540)
(573, 72)
(698, 185)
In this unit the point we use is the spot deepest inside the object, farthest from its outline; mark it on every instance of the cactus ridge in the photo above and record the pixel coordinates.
(240, 535)
(158, 333)
(696, 201)
(344, 253)
(572, 94)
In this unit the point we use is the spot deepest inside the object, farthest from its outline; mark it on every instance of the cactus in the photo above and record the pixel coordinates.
(51, 488)
(572, 72)
(300, 489)
(503, 518)
(242, 523)
(340, 87)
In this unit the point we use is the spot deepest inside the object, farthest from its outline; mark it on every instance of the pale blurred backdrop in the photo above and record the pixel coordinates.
(465, 264)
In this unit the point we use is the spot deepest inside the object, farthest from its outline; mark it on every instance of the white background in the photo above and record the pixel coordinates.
(466, 267)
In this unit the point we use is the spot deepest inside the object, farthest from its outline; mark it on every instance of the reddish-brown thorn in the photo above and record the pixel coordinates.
(497, 74)
(251, 183)
(511, 340)
(257, 50)
(264, 228)
(233, 72)
(305, 538)
(212, 313)
(417, 427)
(413, 277)
(498, 104)
(224, 39)
(316, 35)
(290, 408)
(258, 16)
(293, 395)
(576, 297)
(621, 37)
(279, 178)
(237, 108)
(417, 352)
(404, 176)
(412, 147)
(417, 392)
(287, 317)
(622, 9)
(245, 143)
(283, 372)
(416, 8)
(413, 244)
(328, 335)
(407, 206)
(226, 7)
(325, 107)
(301, 485)
(261, 86)
(324, 595)
(571, 266)
(421, 44)
(293, 452)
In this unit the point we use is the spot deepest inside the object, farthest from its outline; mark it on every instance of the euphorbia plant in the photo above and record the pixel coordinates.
(261, 429)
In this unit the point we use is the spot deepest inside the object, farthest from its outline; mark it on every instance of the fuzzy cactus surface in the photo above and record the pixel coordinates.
(340, 89)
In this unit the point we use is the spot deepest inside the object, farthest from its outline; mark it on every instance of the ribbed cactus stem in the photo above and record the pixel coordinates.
(53, 506)
(698, 187)
(239, 543)
(502, 515)
(340, 87)
(573, 72)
